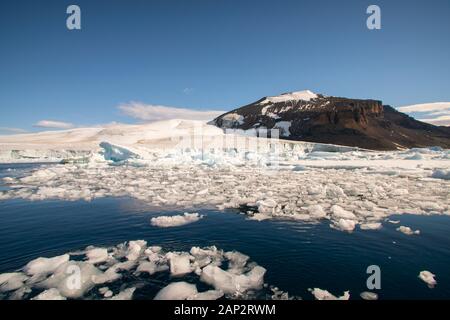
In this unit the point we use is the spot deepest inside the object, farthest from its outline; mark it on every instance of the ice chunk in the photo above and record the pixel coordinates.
(237, 261)
(428, 278)
(45, 265)
(407, 230)
(177, 291)
(50, 294)
(117, 153)
(135, 248)
(179, 263)
(175, 221)
(72, 279)
(344, 225)
(11, 281)
(316, 211)
(371, 226)
(339, 212)
(97, 255)
(320, 294)
(231, 283)
(150, 267)
(367, 295)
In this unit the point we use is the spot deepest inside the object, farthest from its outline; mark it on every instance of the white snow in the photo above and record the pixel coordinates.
(175, 221)
(305, 95)
(428, 278)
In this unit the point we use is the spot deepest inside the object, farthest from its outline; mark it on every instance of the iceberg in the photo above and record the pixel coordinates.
(117, 153)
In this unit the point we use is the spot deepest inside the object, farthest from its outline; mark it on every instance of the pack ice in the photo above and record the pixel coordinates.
(105, 273)
(190, 164)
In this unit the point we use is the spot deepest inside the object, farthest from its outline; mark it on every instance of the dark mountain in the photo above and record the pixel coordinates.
(306, 116)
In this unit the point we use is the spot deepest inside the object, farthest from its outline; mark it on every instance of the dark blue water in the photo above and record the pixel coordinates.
(297, 256)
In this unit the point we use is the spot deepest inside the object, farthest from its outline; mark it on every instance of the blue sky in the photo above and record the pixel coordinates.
(213, 55)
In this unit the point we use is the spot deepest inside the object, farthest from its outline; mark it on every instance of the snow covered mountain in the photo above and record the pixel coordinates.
(307, 116)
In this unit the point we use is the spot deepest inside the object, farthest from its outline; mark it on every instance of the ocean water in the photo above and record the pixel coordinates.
(297, 255)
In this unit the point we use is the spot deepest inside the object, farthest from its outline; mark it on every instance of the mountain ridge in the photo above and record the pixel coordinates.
(307, 116)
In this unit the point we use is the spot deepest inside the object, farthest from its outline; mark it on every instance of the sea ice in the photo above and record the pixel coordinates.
(428, 278)
(232, 283)
(11, 281)
(97, 255)
(180, 264)
(367, 295)
(50, 294)
(177, 291)
(45, 265)
(320, 294)
(175, 221)
(344, 225)
(407, 230)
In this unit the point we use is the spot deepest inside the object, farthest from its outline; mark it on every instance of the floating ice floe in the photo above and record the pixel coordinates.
(97, 255)
(175, 221)
(408, 231)
(428, 278)
(367, 295)
(186, 291)
(320, 294)
(97, 273)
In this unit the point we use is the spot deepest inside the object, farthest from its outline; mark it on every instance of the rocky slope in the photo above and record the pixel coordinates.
(307, 116)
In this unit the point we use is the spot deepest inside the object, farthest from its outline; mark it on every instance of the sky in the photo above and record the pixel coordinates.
(212, 55)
